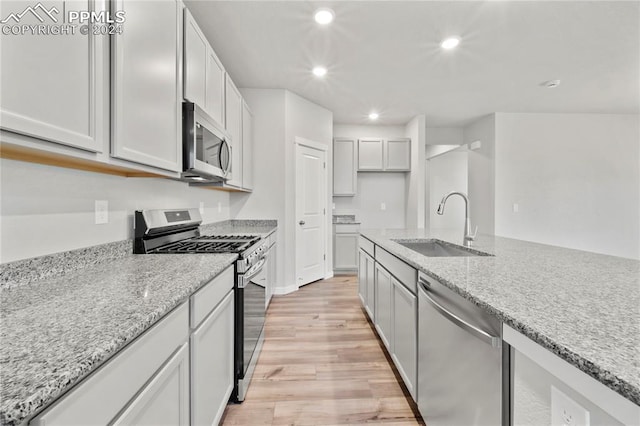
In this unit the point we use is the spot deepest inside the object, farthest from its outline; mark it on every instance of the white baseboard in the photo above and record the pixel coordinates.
(328, 275)
(284, 290)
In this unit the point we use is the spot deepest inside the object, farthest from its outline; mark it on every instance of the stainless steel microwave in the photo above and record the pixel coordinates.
(206, 148)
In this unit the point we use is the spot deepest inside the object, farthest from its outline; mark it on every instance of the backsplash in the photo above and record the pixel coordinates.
(49, 209)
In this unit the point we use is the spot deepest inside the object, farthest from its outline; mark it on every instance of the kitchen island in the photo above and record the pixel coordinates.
(581, 306)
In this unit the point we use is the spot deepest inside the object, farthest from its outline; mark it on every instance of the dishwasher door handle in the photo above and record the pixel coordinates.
(494, 341)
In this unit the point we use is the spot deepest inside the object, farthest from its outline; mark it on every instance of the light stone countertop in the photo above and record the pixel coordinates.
(63, 315)
(582, 306)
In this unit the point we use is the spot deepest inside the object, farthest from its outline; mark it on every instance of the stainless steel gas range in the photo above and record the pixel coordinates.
(178, 232)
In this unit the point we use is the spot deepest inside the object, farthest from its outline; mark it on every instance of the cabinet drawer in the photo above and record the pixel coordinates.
(403, 272)
(208, 297)
(105, 392)
(347, 228)
(366, 245)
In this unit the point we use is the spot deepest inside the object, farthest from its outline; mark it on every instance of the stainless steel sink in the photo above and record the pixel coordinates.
(437, 248)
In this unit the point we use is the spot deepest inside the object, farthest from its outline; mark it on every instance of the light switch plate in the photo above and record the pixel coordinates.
(383, 206)
(516, 208)
(201, 207)
(219, 207)
(102, 212)
(565, 411)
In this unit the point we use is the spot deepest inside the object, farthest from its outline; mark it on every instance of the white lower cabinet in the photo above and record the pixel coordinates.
(165, 400)
(173, 374)
(212, 364)
(386, 287)
(103, 396)
(366, 282)
(362, 277)
(405, 340)
(345, 247)
(383, 315)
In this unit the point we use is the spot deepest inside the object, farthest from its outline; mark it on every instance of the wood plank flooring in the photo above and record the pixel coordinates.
(322, 364)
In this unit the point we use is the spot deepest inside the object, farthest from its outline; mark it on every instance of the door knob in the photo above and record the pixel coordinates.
(302, 222)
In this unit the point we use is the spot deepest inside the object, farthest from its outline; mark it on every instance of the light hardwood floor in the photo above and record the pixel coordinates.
(322, 364)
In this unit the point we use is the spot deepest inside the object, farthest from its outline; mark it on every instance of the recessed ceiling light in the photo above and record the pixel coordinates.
(550, 84)
(450, 43)
(319, 71)
(373, 116)
(324, 16)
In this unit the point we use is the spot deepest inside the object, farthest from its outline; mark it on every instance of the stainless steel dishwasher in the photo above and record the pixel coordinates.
(460, 361)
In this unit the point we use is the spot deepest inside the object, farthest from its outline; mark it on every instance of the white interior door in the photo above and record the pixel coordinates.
(311, 199)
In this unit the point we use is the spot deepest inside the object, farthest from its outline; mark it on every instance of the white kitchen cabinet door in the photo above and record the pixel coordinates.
(345, 251)
(370, 153)
(371, 288)
(165, 400)
(362, 277)
(212, 372)
(405, 341)
(233, 125)
(383, 310)
(398, 155)
(214, 103)
(146, 88)
(247, 147)
(345, 180)
(196, 57)
(56, 88)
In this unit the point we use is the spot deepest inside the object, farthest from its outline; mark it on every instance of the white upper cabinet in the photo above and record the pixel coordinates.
(345, 180)
(398, 155)
(370, 152)
(196, 55)
(247, 147)
(233, 103)
(55, 88)
(146, 89)
(204, 75)
(379, 155)
(214, 102)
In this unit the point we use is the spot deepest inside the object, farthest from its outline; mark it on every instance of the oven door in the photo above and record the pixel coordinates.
(250, 310)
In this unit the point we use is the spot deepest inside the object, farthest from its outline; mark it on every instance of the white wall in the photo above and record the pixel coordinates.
(444, 136)
(481, 180)
(374, 188)
(279, 117)
(415, 180)
(448, 172)
(575, 178)
(49, 209)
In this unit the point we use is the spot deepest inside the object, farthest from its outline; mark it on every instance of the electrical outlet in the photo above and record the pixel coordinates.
(101, 212)
(566, 412)
(219, 207)
(516, 207)
(383, 206)
(201, 207)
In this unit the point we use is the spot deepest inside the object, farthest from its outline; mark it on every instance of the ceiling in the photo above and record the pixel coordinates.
(386, 56)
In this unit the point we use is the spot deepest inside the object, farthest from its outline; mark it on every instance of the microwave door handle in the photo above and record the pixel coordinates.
(224, 146)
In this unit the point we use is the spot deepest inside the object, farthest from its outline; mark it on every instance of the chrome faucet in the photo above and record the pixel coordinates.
(468, 237)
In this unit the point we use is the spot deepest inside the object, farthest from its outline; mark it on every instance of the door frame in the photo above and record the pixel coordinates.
(299, 142)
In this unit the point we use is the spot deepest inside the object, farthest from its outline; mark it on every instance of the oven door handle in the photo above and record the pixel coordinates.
(255, 270)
